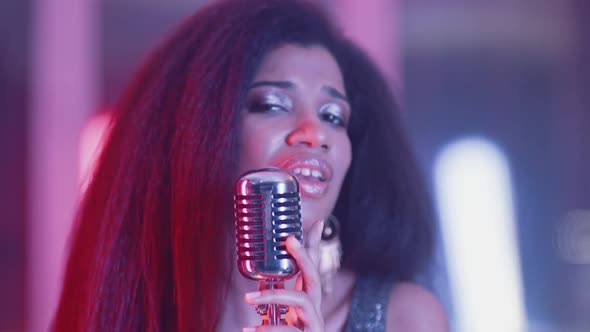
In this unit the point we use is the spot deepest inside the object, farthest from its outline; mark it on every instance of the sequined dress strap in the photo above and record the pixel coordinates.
(369, 305)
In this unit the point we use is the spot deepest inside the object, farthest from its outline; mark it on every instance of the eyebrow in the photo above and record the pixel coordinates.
(335, 93)
(278, 84)
(332, 92)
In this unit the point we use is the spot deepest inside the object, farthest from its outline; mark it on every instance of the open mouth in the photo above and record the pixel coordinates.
(308, 174)
(313, 175)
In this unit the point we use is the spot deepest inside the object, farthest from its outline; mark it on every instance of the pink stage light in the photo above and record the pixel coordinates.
(92, 140)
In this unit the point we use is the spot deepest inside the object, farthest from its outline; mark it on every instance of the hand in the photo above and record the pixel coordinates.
(305, 300)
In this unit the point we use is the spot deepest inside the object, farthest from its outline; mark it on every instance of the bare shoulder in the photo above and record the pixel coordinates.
(413, 308)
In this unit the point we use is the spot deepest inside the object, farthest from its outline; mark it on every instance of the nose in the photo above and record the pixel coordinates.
(310, 133)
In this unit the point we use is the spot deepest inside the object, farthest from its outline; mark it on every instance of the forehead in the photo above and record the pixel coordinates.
(298, 63)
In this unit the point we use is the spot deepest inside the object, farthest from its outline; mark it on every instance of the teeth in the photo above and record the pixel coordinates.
(311, 189)
(308, 172)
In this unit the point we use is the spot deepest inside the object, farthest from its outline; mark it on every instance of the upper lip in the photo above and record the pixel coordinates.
(307, 161)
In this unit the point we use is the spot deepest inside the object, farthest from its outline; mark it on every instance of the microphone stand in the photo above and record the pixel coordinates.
(272, 314)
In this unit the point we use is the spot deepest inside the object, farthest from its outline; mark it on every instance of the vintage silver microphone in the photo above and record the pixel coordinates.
(267, 210)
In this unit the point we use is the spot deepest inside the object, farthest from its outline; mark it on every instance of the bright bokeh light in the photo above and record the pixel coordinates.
(474, 199)
(91, 142)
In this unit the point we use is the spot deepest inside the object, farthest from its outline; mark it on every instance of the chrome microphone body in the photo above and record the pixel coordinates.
(267, 210)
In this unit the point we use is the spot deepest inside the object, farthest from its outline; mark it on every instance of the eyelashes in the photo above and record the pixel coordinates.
(269, 103)
(332, 113)
(266, 107)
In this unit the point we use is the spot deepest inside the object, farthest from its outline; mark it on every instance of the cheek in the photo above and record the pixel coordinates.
(250, 150)
(344, 154)
(257, 146)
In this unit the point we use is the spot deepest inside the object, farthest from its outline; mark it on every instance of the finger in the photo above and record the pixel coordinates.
(309, 270)
(299, 282)
(313, 241)
(273, 328)
(292, 298)
(291, 317)
(307, 313)
(292, 314)
(309, 278)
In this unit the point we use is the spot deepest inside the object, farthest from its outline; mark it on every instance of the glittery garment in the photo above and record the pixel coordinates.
(369, 305)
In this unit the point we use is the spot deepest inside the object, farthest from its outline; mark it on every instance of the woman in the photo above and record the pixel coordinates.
(243, 85)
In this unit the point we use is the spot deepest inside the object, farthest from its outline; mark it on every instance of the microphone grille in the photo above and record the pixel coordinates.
(286, 219)
(267, 208)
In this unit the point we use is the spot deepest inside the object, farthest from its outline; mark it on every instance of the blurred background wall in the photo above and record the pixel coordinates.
(14, 105)
(512, 73)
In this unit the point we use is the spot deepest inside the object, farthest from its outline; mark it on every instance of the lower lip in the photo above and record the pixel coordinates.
(312, 189)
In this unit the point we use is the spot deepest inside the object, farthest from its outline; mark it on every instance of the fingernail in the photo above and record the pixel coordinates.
(249, 329)
(295, 243)
(252, 295)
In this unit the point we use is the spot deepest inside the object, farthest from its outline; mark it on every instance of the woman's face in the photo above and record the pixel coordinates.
(295, 118)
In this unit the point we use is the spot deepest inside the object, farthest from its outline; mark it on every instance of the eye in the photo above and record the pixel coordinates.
(266, 103)
(262, 107)
(334, 114)
(333, 119)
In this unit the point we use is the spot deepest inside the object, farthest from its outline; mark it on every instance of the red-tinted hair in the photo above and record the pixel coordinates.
(150, 250)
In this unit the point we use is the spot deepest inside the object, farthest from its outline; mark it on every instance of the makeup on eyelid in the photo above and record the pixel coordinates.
(278, 99)
(266, 101)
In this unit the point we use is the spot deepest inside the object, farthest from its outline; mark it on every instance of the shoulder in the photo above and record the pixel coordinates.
(413, 308)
